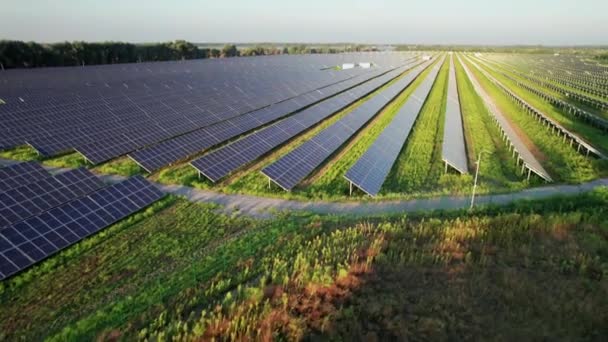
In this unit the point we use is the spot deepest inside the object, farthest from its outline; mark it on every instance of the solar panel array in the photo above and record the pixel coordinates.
(225, 160)
(292, 168)
(107, 111)
(184, 146)
(544, 117)
(372, 168)
(20, 174)
(518, 145)
(34, 198)
(33, 239)
(453, 150)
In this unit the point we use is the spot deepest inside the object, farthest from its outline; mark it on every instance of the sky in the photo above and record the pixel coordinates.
(505, 22)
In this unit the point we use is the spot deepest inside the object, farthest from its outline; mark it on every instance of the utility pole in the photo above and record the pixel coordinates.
(478, 163)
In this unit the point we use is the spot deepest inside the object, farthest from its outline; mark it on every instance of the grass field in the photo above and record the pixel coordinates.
(182, 271)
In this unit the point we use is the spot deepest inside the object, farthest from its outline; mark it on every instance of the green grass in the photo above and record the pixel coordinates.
(419, 167)
(180, 270)
(25, 153)
(122, 166)
(497, 168)
(561, 161)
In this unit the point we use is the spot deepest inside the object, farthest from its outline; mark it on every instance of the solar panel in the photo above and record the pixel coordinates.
(34, 239)
(225, 160)
(453, 148)
(170, 151)
(371, 169)
(20, 174)
(291, 169)
(36, 197)
(134, 106)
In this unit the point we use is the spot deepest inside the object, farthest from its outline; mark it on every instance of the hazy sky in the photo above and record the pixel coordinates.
(366, 21)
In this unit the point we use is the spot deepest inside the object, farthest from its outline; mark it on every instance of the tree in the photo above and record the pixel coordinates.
(215, 53)
(230, 51)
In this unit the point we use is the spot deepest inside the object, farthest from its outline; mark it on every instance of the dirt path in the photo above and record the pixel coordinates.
(265, 207)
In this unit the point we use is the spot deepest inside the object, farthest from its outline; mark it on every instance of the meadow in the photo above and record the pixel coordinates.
(180, 270)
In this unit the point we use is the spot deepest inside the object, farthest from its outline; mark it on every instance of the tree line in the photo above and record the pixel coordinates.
(19, 54)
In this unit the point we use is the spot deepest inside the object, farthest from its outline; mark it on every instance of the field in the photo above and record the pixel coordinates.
(180, 270)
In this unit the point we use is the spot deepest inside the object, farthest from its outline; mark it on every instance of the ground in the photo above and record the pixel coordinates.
(532, 269)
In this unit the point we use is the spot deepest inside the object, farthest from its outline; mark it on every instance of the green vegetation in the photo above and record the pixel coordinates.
(183, 271)
(18, 54)
(122, 166)
(419, 164)
(497, 169)
(24, 152)
(560, 160)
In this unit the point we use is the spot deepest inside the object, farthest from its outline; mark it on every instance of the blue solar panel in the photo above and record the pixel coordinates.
(36, 197)
(178, 148)
(291, 169)
(225, 160)
(454, 151)
(20, 174)
(32, 240)
(133, 106)
(371, 169)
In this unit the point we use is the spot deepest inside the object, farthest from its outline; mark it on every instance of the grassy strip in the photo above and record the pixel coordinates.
(562, 162)
(121, 166)
(497, 170)
(419, 166)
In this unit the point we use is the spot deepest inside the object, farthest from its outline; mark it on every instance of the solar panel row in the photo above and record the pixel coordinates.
(529, 160)
(372, 168)
(32, 240)
(291, 169)
(225, 160)
(20, 174)
(34, 198)
(587, 148)
(134, 106)
(181, 147)
(453, 150)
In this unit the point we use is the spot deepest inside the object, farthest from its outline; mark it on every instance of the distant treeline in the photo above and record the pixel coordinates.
(524, 49)
(18, 54)
(602, 57)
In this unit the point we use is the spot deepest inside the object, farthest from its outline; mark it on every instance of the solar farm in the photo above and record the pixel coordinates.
(104, 167)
